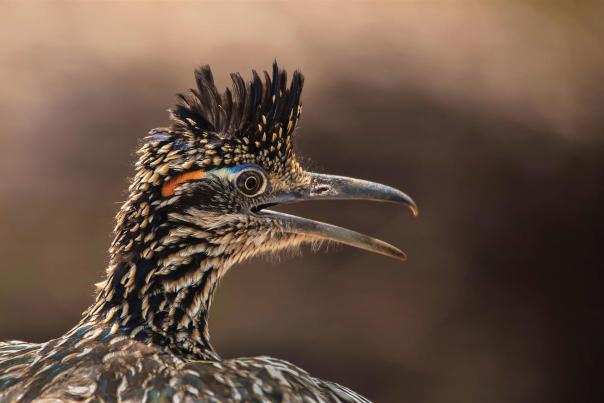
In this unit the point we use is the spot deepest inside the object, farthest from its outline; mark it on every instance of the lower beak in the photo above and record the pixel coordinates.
(331, 187)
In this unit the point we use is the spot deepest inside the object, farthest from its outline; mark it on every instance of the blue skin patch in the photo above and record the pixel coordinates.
(159, 137)
(238, 168)
(229, 171)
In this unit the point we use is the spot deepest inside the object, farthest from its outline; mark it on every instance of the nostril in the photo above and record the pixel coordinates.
(322, 189)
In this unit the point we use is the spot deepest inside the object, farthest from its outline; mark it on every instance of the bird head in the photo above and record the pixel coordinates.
(200, 201)
(208, 181)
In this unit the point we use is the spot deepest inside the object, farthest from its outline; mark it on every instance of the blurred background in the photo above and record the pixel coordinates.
(488, 113)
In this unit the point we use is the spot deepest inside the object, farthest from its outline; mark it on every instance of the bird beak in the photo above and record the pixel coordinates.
(332, 187)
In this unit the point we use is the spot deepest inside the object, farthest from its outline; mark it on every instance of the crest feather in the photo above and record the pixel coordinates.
(239, 110)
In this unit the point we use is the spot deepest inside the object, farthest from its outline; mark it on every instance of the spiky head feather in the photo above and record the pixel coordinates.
(249, 123)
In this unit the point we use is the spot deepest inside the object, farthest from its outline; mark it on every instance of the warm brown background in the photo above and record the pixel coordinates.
(488, 113)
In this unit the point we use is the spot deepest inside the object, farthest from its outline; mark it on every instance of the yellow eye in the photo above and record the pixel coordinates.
(251, 182)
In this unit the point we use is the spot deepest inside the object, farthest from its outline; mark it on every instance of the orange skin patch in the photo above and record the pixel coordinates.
(170, 186)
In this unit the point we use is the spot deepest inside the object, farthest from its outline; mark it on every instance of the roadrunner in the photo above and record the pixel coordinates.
(197, 205)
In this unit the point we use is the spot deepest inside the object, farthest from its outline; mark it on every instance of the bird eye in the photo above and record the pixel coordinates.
(251, 182)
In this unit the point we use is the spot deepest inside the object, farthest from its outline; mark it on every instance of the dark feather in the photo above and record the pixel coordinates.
(241, 107)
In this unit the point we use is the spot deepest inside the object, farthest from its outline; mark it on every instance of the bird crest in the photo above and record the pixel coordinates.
(250, 122)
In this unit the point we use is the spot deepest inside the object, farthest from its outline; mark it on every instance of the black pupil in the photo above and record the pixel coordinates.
(251, 183)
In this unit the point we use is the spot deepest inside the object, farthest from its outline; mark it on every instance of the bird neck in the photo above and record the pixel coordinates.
(160, 284)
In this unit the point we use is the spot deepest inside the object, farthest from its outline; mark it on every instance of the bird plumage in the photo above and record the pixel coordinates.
(196, 207)
(87, 364)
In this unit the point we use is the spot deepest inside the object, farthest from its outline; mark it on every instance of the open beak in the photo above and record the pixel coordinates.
(332, 187)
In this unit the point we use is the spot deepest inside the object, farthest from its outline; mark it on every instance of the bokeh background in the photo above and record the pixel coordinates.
(488, 113)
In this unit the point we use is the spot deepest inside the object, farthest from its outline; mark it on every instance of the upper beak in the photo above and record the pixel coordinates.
(332, 187)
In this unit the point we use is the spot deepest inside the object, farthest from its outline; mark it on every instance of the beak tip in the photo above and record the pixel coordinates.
(406, 200)
(402, 257)
(396, 253)
(414, 210)
(411, 205)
